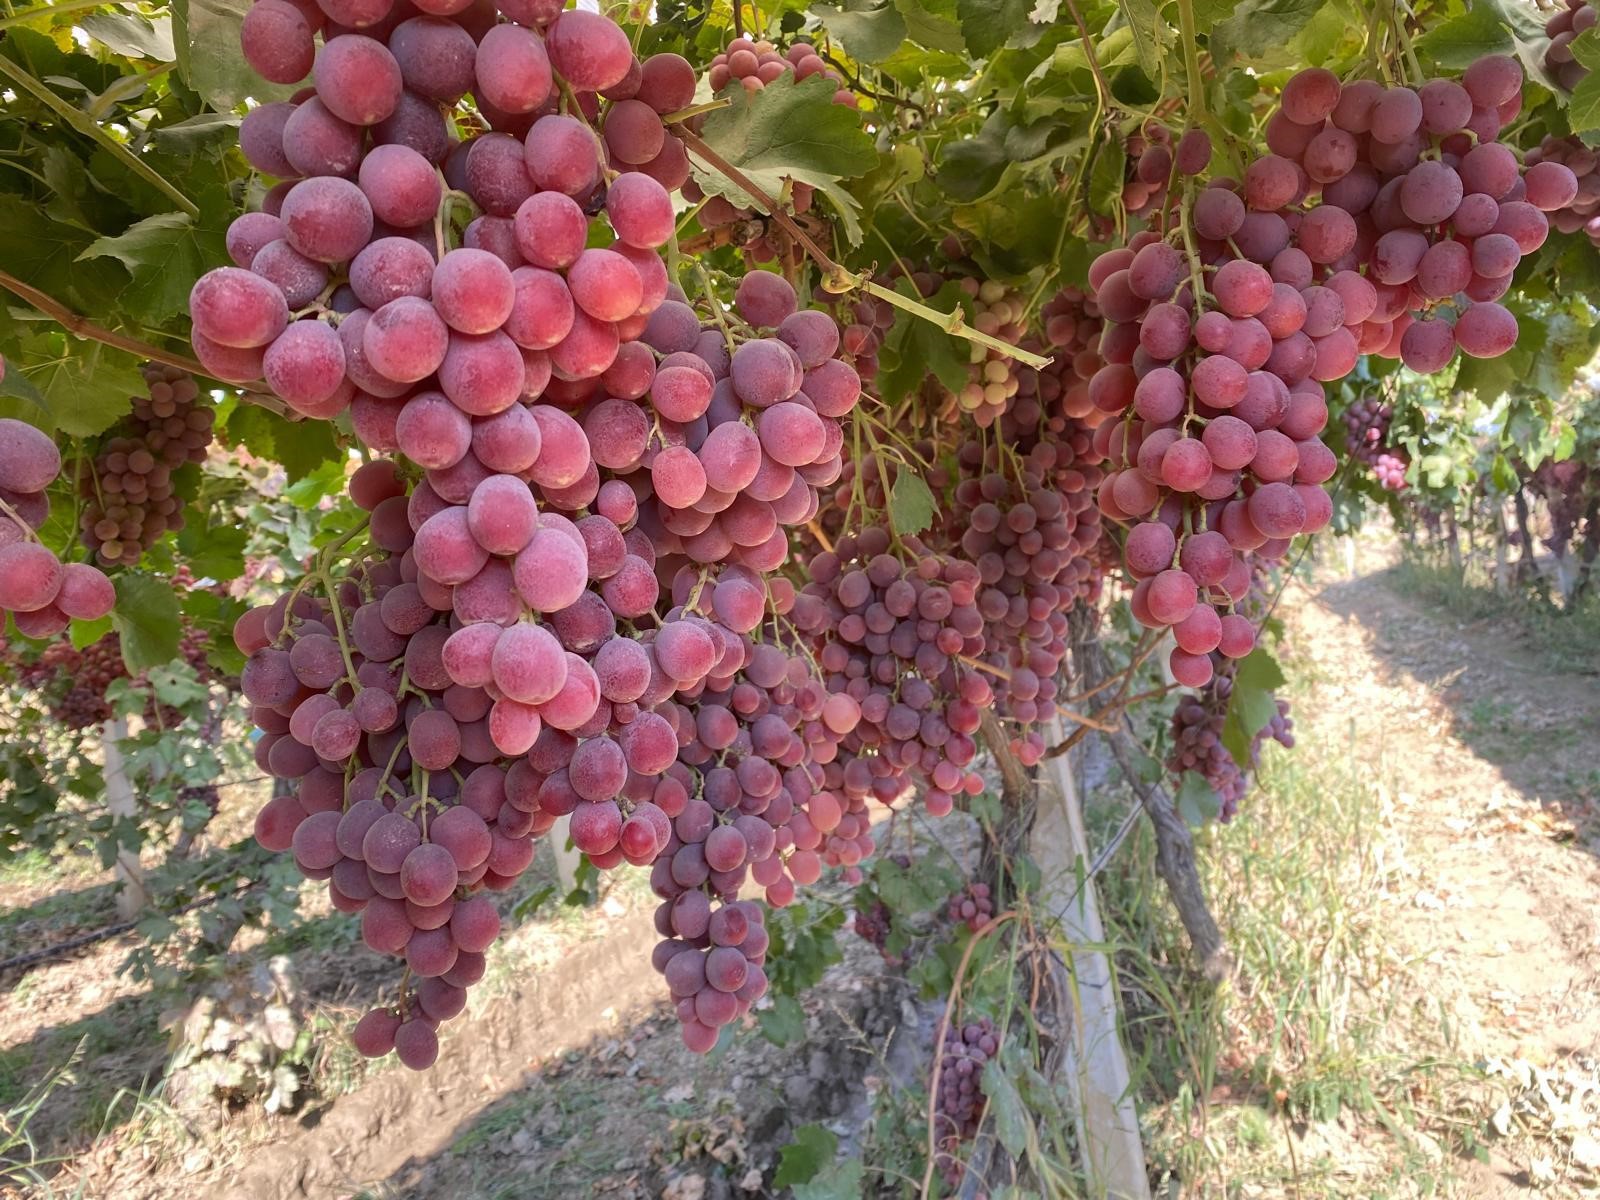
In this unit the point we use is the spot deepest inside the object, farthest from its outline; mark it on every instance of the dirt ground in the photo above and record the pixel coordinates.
(567, 1077)
(1481, 733)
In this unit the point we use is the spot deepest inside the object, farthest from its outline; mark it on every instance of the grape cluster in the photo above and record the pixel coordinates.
(1027, 537)
(128, 489)
(873, 922)
(756, 64)
(866, 322)
(73, 682)
(1367, 440)
(42, 594)
(1569, 20)
(524, 298)
(1218, 361)
(563, 610)
(1197, 725)
(960, 1101)
(1449, 212)
(894, 637)
(1583, 214)
(753, 65)
(1152, 158)
(1072, 330)
(971, 906)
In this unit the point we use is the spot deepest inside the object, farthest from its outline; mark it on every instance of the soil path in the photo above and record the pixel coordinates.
(1482, 739)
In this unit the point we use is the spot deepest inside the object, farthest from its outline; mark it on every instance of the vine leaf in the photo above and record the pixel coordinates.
(789, 130)
(910, 504)
(1259, 28)
(988, 25)
(87, 633)
(44, 253)
(1252, 703)
(935, 30)
(164, 254)
(1583, 108)
(1010, 1118)
(132, 35)
(784, 1023)
(206, 33)
(842, 1181)
(1197, 800)
(804, 1158)
(83, 387)
(300, 447)
(1151, 34)
(147, 619)
(869, 33)
(915, 349)
(1462, 40)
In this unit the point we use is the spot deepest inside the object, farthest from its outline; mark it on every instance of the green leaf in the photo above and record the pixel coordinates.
(204, 132)
(1252, 703)
(911, 504)
(1583, 109)
(935, 30)
(1106, 176)
(19, 399)
(869, 33)
(842, 1181)
(917, 889)
(788, 130)
(87, 633)
(1198, 803)
(132, 36)
(989, 24)
(970, 168)
(209, 58)
(45, 253)
(784, 1024)
(87, 388)
(1010, 1117)
(813, 1149)
(299, 446)
(1259, 27)
(164, 254)
(1151, 34)
(327, 480)
(213, 552)
(1462, 40)
(148, 621)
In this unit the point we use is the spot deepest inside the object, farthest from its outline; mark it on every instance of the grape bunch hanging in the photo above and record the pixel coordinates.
(1382, 220)
(560, 605)
(128, 490)
(42, 594)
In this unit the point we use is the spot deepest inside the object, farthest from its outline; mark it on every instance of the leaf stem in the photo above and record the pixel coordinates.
(49, 10)
(89, 127)
(838, 279)
(81, 326)
(695, 110)
(1191, 59)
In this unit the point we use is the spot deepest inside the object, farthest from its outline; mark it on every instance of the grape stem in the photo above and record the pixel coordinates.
(1101, 87)
(695, 110)
(822, 538)
(837, 279)
(27, 530)
(81, 326)
(944, 1030)
(1191, 59)
(89, 127)
(43, 11)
